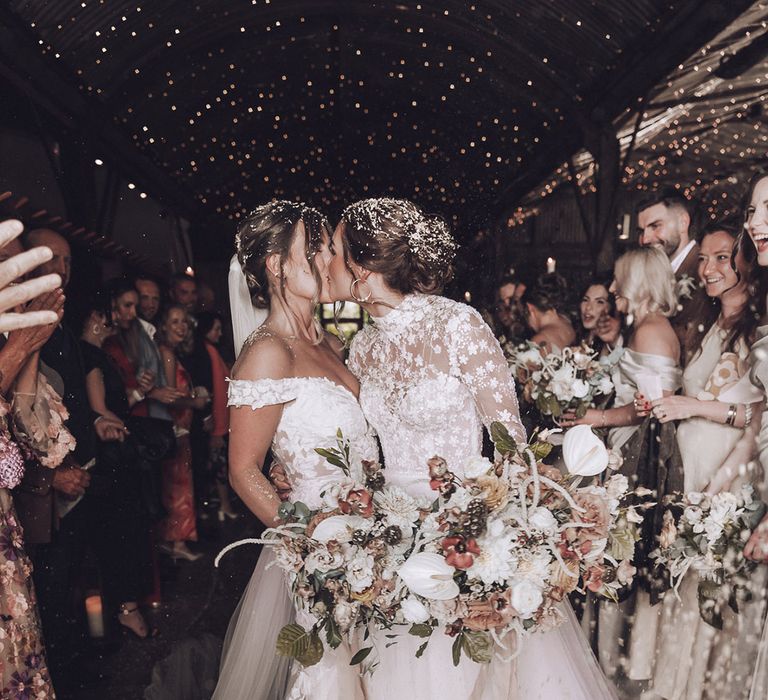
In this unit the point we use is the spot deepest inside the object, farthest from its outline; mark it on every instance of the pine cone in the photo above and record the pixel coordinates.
(476, 517)
(393, 535)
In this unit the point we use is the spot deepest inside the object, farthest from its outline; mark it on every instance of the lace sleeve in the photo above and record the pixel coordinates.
(257, 393)
(478, 361)
(39, 424)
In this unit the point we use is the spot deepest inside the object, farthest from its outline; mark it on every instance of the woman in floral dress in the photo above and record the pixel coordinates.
(33, 429)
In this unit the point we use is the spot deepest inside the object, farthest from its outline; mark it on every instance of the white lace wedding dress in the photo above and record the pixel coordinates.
(314, 409)
(431, 375)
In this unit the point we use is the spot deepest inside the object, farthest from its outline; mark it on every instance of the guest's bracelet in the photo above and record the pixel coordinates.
(747, 414)
(731, 415)
(602, 418)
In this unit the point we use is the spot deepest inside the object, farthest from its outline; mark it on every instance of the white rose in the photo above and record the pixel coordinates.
(344, 614)
(584, 453)
(322, 560)
(360, 571)
(616, 486)
(580, 388)
(526, 598)
(428, 574)
(542, 519)
(605, 386)
(414, 610)
(476, 467)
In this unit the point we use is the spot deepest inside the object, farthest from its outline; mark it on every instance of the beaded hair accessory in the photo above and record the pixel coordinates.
(429, 239)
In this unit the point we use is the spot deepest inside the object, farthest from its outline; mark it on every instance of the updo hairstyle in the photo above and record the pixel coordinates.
(271, 229)
(412, 251)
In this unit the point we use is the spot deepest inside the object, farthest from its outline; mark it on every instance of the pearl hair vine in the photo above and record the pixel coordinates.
(429, 239)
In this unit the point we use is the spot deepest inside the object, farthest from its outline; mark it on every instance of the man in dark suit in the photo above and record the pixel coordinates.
(664, 222)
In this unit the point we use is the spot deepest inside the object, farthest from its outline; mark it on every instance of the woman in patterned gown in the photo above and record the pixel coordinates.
(32, 429)
(431, 376)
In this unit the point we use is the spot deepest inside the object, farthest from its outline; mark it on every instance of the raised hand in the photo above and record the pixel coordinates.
(13, 295)
(32, 338)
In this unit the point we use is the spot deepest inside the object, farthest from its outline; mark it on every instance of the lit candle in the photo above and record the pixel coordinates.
(95, 617)
(551, 263)
(468, 297)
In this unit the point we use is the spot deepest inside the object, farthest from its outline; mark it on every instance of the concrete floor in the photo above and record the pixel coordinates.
(197, 605)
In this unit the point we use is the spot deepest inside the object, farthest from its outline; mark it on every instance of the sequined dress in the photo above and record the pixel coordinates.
(431, 376)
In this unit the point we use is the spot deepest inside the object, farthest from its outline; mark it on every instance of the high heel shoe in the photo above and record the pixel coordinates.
(184, 553)
(224, 514)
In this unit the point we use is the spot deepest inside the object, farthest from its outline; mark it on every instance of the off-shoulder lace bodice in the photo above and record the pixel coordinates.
(315, 408)
(431, 374)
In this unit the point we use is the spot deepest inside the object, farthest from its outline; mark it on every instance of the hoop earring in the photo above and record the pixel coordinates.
(352, 291)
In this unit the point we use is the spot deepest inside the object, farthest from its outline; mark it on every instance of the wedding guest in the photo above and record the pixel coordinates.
(755, 247)
(149, 302)
(136, 356)
(119, 526)
(183, 291)
(644, 289)
(597, 314)
(32, 430)
(508, 316)
(545, 307)
(208, 362)
(178, 492)
(664, 220)
(693, 658)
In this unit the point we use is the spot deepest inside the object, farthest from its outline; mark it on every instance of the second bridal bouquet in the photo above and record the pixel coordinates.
(556, 382)
(706, 535)
(493, 553)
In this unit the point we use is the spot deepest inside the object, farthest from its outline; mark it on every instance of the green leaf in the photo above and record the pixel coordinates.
(541, 450)
(297, 643)
(332, 634)
(421, 649)
(500, 436)
(420, 630)
(331, 457)
(360, 656)
(478, 646)
(456, 648)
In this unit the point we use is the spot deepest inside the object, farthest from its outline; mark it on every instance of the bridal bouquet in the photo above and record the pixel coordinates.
(557, 382)
(706, 535)
(492, 554)
(503, 547)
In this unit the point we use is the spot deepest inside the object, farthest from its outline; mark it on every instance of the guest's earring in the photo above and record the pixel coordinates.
(352, 287)
(96, 330)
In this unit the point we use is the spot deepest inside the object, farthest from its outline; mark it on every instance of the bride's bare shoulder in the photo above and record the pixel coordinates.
(264, 356)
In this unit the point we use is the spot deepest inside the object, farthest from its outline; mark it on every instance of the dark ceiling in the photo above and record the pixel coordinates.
(463, 106)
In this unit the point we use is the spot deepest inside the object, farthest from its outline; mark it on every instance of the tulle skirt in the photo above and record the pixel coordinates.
(251, 669)
(554, 665)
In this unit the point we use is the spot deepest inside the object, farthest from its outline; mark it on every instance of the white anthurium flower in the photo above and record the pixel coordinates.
(584, 453)
(414, 610)
(430, 576)
(339, 528)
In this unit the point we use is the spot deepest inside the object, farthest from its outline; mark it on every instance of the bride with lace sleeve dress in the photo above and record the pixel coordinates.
(290, 393)
(431, 376)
